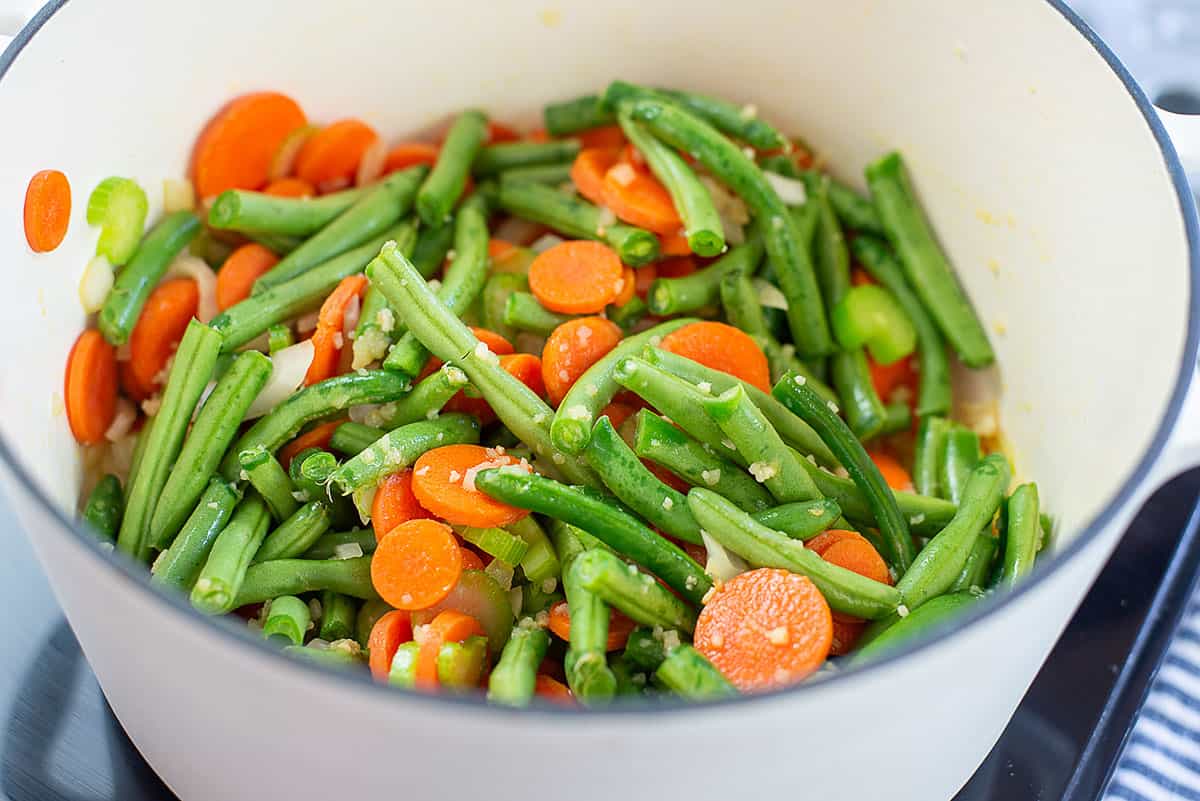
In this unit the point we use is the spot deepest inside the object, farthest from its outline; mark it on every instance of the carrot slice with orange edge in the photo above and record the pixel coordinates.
(628, 287)
(409, 154)
(237, 275)
(416, 564)
(394, 503)
(525, 367)
(443, 481)
(678, 267)
(571, 349)
(588, 171)
(674, 244)
(390, 631)
(887, 378)
(450, 625)
(47, 212)
(619, 626)
(576, 277)
(498, 132)
(637, 197)
(604, 136)
(471, 560)
(236, 147)
(721, 347)
(164, 318)
(893, 472)
(553, 690)
(290, 187)
(850, 550)
(316, 437)
(328, 340)
(765, 628)
(333, 153)
(90, 387)
(617, 413)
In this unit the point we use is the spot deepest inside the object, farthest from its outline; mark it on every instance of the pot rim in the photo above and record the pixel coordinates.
(236, 636)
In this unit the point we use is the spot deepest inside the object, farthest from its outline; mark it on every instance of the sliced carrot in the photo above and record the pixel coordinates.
(553, 690)
(721, 347)
(444, 483)
(164, 318)
(860, 277)
(539, 135)
(394, 503)
(628, 287)
(572, 348)
(471, 560)
(333, 153)
(317, 437)
(90, 387)
(390, 631)
(450, 625)
(47, 210)
(850, 550)
(416, 564)
(525, 367)
(638, 198)
(499, 132)
(893, 472)
(576, 277)
(765, 628)
(496, 344)
(846, 633)
(328, 339)
(409, 154)
(499, 248)
(674, 244)
(619, 626)
(603, 136)
(291, 187)
(643, 277)
(236, 147)
(633, 157)
(237, 275)
(617, 413)
(890, 377)
(680, 267)
(588, 171)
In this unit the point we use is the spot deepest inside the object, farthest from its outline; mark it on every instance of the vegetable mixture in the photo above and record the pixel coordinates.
(642, 402)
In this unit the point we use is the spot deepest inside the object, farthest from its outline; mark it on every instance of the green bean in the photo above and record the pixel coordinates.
(577, 219)
(678, 400)
(461, 284)
(853, 210)
(540, 561)
(279, 336)
(588, 673)
(368, 615)
(800, 521)
(278, 244)
(931, 435)
(630, 680)
(978, 566)
(179, 565)
(432, 247)
(796, 432)
(354, 438)
(327, 545)
(524, 413)
(892, 525)
(662, 506)
(663, 443)
(760, 446)
(296, 534)
(851, 374)
(784, 245)
(308, 489)
(550, 174)
(512, 680)
(246, 320)
(104, 507)
(288, 620)
(897, 418)
(296, 576)
(270, 480)
(634, 593)
(138, 278)
(615, 527)
(929, 616)
(644, 649)
(260, 213)
(942, 559)
(524, 312)
(573, 116)
(446, 181)
(934, 394)
(668, 296)
(337, 616)
(426, 400)
(629, 314)
(845, 590)
(1021, 535)
(315, 475)
(460, 664)
(194, 362)
(225, 569)
(494, 159)
(398, 449)
(701, 223)
(337, 655)
(925, 264)
(782, 360)
(740, 122)
(688, 673)
(960, 452)
(494, 301)
(371, 215)
(926, 515)
(320, 400)
(743, 309)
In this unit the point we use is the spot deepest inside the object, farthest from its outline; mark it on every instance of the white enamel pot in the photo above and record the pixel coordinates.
(1051, 182)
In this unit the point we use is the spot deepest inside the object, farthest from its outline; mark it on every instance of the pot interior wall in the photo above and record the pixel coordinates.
(1044, 182)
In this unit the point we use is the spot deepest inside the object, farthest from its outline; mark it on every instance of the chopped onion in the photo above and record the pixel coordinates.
(307, 322)
(545, 242)
(721, 565)
(502, 572)
(728, 205)
(95, 284)
(288, 369)
(188, 266)
(350, 318)
(769, 295)
(363, 412)
(285, 157)
(790, 190)
(178, 195)
(364, 499)
(977, 397)
(370, 167)
(516, 599)
(122, 421)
